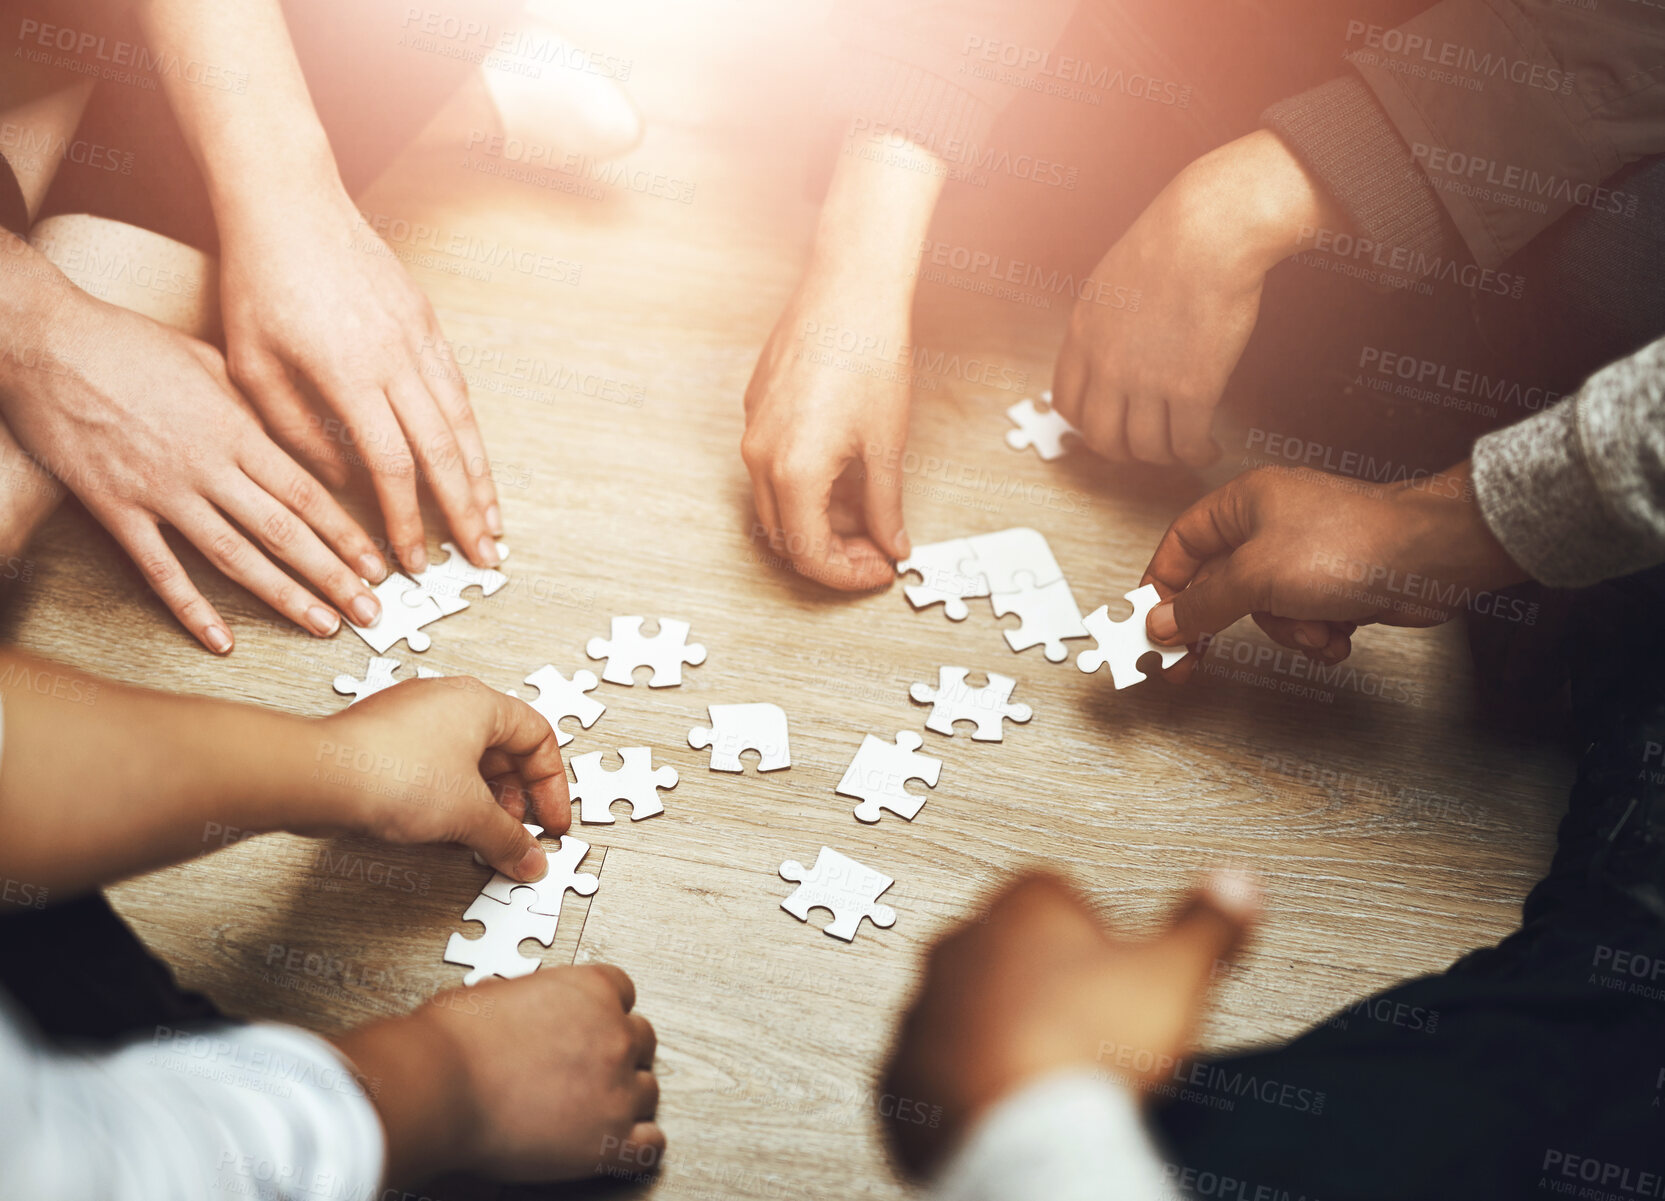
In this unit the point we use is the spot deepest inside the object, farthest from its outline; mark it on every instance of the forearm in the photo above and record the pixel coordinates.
(421, 1081)
(99, 780)
(256, 146)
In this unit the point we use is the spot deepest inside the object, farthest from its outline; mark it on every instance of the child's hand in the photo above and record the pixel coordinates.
(447, 760)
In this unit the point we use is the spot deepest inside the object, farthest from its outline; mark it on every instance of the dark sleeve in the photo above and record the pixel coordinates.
(940, 71)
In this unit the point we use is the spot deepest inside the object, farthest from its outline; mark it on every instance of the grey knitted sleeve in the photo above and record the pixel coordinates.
(1576, 494)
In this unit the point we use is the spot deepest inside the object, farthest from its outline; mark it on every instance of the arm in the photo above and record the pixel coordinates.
(161, 778)
(310, 295)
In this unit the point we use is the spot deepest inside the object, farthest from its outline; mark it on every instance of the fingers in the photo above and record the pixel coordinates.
(1325, 641)
(1069, 381)
(1190, 433)
(521, 732)
(144, 544)
(644, 1042)
(503, 842)
(1214, 526)
(804, 494)
(288, 416)
(615, 981)
(450, 391)
(882, 504)
(1147, 431)
(1213, 922)
(1208, 605)
(441, 461)
(284, 479)
(230, 551)
(392, 470)
(646, 1136)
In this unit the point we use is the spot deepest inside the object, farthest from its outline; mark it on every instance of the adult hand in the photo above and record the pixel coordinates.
(143, 425)
(545, 1078)
(1313, 556)
(1036, 984)
(317, 303)
(444, 760)
(1165, 316)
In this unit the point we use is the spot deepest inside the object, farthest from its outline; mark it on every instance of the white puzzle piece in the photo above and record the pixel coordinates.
(533, 830)
(398, 620)
(1050, 615)
(846, 889)
(665, 652)
(879, 774)
(1005, 556)
(560, 697)
(497, 951)
(944, 578)
(443, 583)
(759, 727)
(378, 674)
(1043, 430)
(547, 892)
(955, 700)
(1122, 644)
(638, 782)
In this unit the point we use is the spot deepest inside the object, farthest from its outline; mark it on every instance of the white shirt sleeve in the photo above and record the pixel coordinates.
(1070, 1136)
(261, 1111)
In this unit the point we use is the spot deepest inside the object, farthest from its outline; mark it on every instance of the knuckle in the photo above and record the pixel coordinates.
(160, 570)
(227, 551)
(303, 493)
(279, 529)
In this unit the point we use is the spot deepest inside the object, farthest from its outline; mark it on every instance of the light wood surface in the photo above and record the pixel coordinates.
(1419, 848)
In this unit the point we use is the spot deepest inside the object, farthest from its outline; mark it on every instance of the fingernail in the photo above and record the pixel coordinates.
(372, 567)
(487, 550)
(1236, 892)
(494, 520)
(219, 641)
(322, 620)
(365, 610)
(1163, 625)
(1310, 638)
(904, 543)
(416, 558)
(534, 865)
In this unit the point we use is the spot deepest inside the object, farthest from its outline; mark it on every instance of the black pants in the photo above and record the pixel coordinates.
(1530, 1069)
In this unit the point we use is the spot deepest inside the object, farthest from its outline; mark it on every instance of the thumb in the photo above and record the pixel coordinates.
(1207, 605)
(1213, 923)
(882, 500)
(505, 843)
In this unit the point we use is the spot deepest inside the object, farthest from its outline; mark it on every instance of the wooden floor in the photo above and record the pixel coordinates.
(1392, 833)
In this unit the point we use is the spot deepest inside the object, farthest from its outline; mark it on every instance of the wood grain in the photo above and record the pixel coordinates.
(1392, 828)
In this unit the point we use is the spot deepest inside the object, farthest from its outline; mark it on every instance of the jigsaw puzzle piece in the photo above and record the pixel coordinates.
(398, 620)
(638, 782)
(1006, 555)
(955, 700)
(497, 951)
(1049, 613)
(443, 583)
(848, 890)
(759, 727)
(879, 774)
(1122, 644)
(560, 697)
(548, 892)
(943, 577)
(665, 652)
(378, 674)
(1045, 430)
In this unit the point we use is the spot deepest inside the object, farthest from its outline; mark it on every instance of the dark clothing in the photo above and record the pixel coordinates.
(1525, 1064)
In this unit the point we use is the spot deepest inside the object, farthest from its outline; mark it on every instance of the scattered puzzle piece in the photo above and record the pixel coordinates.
(638, 782)
(759, 727)
(1122, 644)
(943, 577)
(560, 697)
(547, 892)
(955, 700)
(497, 951)
(846, 889)
(665, 652)
(879, 774)
(1049, 614)
(1005, 556)
(398, 620)
(1043, 430)
(378, 674)
(443, 583)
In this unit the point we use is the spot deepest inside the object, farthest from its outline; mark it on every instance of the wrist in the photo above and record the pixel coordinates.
(416, 1076)
(1256, 188)
(294, 183)
(1444, 528)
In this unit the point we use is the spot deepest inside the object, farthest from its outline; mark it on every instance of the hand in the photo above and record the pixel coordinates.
(315, 302)
(445, 760)
(28, 495)
(545, 1078)
(142, 424)
(1034, 985)
(1313, 556)
(1166, 314)
(824, 436)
